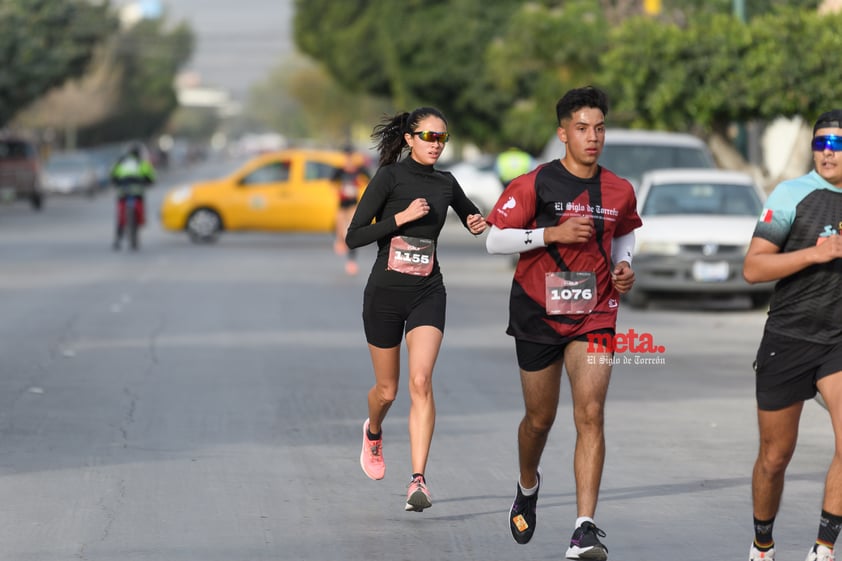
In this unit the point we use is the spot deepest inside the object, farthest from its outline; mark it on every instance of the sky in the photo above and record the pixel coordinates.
(237, 41)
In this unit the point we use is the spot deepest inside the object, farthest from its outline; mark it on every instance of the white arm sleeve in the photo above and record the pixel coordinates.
(513, 240)
(622, 247)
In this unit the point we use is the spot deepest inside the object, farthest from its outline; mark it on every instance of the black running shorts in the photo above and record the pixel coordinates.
(787, 369)
(389, 313)
(532, 357)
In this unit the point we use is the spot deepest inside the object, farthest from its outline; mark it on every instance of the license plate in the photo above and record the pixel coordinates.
(704, 271)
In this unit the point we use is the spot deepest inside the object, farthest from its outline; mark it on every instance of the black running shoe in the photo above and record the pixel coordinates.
(522, 516)
(585, 543)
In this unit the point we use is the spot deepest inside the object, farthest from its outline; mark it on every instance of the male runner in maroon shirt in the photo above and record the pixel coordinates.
(573, 224)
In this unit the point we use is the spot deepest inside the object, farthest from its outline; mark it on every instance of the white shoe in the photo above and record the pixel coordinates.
(755, 554)
(820, 553)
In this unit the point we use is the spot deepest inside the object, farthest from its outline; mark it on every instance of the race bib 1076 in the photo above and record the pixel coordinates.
(570, 293)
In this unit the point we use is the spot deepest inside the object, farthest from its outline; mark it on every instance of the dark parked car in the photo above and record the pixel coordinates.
(20, 171)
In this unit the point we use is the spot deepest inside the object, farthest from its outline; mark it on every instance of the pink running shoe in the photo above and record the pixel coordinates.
(417, 496)
(371, 457)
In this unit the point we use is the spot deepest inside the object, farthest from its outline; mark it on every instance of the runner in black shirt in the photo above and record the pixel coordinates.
(796, 242)
(404, 209)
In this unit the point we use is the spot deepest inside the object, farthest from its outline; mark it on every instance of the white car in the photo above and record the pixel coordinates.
(631, 153)
(68, 173)
(479, 182)
(697, 225)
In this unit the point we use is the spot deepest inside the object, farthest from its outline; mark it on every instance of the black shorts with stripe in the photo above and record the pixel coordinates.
(787, 369)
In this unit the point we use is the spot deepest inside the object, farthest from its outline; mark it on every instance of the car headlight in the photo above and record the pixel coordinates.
(658, 248)
(180, 194)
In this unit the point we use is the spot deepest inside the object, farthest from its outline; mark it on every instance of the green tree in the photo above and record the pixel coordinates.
(302, 101)
(682, 11)
(545, 50)
(717, 70)
(413, 52)
(79, 102)
(194, 123)
(45, 43)
(148, 56)
(497, 69)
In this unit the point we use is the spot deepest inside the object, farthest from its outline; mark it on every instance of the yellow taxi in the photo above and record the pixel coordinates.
(286, 191)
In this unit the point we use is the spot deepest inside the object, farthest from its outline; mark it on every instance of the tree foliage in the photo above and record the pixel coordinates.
(535, 61)
(78, 102)
(718, 70)
(303, 102)
(44, 43)
(497, 69)
(148, 56)
(413, 52)
(684, 11)
(72, 65)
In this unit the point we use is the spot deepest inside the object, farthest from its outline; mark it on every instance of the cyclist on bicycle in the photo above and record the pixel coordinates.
(131, 175)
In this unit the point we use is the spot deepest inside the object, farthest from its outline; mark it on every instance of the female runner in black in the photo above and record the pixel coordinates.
(403, 209)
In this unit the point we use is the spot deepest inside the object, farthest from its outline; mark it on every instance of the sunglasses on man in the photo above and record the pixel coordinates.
(827, 142)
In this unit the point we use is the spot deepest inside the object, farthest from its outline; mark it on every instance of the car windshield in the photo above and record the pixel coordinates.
(702, 198)
(12, 149)
(275, 172)
(70, 163)
(631, 161)
(318, 170)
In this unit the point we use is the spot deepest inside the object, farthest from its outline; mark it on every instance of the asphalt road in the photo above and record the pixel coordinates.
(205, 403)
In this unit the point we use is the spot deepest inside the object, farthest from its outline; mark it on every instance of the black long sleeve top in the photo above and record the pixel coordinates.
(390, 191)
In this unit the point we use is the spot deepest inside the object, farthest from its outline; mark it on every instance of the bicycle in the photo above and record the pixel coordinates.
(129, 218)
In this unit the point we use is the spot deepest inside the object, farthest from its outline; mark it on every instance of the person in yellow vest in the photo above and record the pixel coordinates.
(512, 163)
(131, 175)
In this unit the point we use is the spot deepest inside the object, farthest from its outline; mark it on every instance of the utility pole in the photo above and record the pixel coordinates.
(747, 135)
(740, 10)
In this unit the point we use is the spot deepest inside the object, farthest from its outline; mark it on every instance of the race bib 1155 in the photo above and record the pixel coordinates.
(411, 256)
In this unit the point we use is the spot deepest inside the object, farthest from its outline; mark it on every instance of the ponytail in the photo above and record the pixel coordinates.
(389, 137)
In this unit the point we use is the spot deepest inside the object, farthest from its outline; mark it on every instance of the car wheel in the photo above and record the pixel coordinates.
(637, 299)
(37, 201)
(204, 225)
